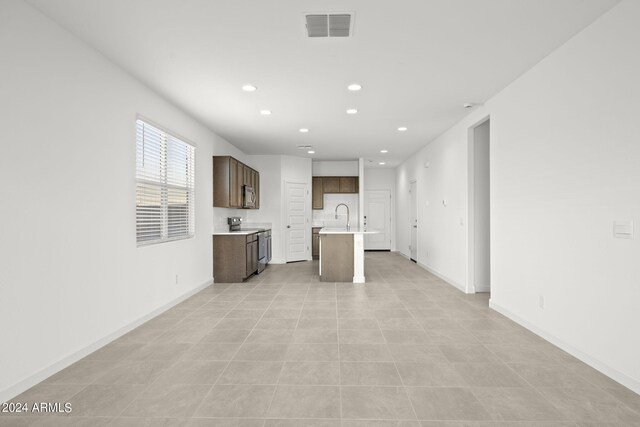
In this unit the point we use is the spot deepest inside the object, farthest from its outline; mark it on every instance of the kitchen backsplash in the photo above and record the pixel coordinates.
(326, 217)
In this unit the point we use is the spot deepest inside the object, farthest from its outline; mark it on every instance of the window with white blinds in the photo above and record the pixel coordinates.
(165, 178)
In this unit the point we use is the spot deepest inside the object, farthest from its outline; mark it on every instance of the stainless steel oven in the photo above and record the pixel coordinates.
(268, 246)
(262, 251)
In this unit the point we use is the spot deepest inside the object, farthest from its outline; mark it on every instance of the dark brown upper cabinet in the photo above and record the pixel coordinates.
(226, 187)
(229, 178)
(331, 184)
(317, 195)
(349, 184)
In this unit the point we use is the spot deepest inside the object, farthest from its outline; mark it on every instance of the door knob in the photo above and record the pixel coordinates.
(288, 226)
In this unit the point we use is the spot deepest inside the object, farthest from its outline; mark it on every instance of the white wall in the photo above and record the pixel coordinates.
(384, 179)
(335, 168)
(71, 272)
(440, 172)
(564, 166)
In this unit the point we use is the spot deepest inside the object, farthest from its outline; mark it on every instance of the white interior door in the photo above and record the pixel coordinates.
(413, 221)
(297, 227)
(377, 217)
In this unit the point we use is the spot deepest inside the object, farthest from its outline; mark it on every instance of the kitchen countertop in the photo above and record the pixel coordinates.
(242, 232)
(355, 230)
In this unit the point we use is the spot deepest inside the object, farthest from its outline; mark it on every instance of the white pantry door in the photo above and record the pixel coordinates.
(377, 217)
(297, 227)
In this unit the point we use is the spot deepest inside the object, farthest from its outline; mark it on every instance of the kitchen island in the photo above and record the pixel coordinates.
(342, 255)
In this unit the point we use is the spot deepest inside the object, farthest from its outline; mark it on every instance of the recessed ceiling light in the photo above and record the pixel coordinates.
(384, 151)
(352, 111)
(303, 130)
(402, 129)
(249, 88)
(354, 87)
(381, 163)
(311, 152)
(265, 112)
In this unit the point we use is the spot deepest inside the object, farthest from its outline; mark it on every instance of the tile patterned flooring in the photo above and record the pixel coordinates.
(283, 349)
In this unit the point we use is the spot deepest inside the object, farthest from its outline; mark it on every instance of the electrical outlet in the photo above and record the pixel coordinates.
(541, 301)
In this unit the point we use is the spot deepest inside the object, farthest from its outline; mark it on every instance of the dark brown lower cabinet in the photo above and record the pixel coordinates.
(252, 258)
(235, 257)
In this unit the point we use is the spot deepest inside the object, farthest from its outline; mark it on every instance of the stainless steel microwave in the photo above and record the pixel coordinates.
(249, 197)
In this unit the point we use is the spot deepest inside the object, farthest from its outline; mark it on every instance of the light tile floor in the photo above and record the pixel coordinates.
(406, 349)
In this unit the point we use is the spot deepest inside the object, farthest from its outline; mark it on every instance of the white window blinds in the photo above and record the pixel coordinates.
(165, 187)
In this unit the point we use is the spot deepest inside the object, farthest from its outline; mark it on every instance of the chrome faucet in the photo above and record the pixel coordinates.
(342, 204)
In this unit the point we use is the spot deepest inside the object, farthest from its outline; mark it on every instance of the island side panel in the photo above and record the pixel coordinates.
(358, 258)
(336, 255)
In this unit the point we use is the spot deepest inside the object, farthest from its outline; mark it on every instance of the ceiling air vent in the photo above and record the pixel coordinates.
(329, 24)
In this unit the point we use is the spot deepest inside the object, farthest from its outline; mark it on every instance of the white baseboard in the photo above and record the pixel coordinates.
(596, 364)
(402, 254)
(358, 279)
(443, 277)
(25, 384)
(436, 273)
(483, 288)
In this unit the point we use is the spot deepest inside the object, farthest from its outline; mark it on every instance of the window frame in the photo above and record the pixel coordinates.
(164, 186)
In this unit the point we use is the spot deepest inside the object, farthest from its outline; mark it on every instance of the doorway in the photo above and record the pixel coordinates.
(413, 221)
(296, 223)
(480, 208)
(377, 217)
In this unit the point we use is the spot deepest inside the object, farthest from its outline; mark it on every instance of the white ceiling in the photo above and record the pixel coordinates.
(419, 61)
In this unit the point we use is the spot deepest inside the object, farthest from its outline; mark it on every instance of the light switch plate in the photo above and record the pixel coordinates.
(623, 229)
